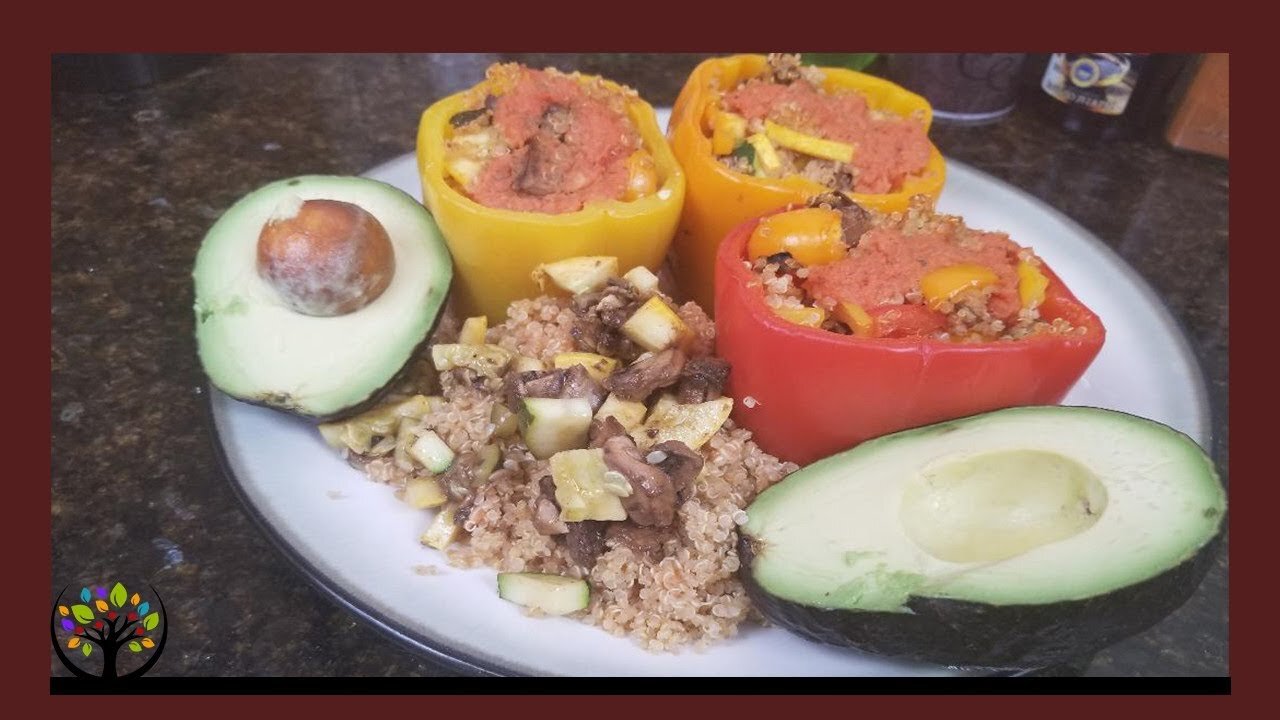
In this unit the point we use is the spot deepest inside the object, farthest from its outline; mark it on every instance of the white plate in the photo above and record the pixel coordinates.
(359, 544)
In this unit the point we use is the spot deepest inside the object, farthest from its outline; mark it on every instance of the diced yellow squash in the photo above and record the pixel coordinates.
(424, 492)
(856, 318)
(578, 274)
(357, 433)
(443, 529)
(655, 326)
(598, 367)
(945, 283)
(473, 330)
(728, 130)
(767, 161)
(524, 363)
(404, 438)
(642, 279)
(1031, 285)
(642, 176)
(627, 412)
(581, 491)
(464, 170)
(664, 401)
(489, 360)
(808, 144)
(808, 316)
(490, 459)
(505, 422)
(692, 425)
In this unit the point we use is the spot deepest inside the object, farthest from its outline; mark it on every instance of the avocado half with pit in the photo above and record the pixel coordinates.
(312, 294)
(1015, 539)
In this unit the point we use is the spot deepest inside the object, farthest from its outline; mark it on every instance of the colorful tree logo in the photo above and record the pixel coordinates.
(104, 623)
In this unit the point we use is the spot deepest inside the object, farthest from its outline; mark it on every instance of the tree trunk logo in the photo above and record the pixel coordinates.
(89, 636)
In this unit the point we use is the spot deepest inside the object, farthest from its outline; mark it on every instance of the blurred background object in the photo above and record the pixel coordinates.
(963, 88)
(1110, 96)
(121, 71)
(1201, 121)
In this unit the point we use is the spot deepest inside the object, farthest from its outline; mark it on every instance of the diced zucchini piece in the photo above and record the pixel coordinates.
(655, 326)
(549, 425)
(505, 422)
(578, 274)
(524, 363)
(808, 144)
(629, 413)
(432, 452)
(580, 487)
(473, 330)
(692, 425)
(443, 529)
(424, 492)
(489, 360)
(642, 279)
(598, 367)
(490, 459)
(550, 594)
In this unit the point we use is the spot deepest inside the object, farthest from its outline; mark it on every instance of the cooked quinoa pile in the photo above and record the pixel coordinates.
(665, 587)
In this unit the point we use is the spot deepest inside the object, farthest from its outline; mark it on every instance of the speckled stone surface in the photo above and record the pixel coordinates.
(139, 176)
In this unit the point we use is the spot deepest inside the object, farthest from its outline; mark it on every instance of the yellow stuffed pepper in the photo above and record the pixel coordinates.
(534, 166)
(754, 133)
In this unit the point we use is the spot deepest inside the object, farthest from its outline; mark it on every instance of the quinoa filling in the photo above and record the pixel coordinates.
(918, 273)
(786, 123)
(546, 141)
(648, 510)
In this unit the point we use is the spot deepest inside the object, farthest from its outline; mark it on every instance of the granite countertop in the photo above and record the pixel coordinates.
(139, 176)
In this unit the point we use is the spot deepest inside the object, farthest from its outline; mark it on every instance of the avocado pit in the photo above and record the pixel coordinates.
(326, 257)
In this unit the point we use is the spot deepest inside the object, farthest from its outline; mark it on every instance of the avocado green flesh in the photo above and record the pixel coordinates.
(1026, 506)
(254, 347)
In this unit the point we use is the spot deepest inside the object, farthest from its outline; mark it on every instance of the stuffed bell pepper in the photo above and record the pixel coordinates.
(535, 166)
(754, 133)
(843, 324)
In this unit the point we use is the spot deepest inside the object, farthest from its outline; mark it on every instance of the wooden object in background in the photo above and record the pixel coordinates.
(1201, 122)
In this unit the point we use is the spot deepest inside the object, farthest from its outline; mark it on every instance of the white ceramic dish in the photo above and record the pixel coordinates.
(357, 542)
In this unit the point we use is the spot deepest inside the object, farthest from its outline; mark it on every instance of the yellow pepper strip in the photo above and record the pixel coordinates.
(811, 235)
(808, 316)
(807, 144)
(856, 318)
(495, 251)
(719, 199)
(730, 129)
(945, 283)
(767, 161)
(1031, 285)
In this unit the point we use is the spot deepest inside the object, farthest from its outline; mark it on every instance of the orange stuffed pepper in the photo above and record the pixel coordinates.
(754, 133)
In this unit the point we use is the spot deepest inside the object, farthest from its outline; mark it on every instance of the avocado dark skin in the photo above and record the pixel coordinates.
(979, 636)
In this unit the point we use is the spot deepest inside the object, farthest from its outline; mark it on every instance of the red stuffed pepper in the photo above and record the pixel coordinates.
(842, 325)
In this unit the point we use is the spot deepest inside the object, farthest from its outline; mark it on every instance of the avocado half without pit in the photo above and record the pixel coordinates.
(314, 293)
(1016, 539)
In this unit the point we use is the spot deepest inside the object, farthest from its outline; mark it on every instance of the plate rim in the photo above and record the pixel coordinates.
(450, 657)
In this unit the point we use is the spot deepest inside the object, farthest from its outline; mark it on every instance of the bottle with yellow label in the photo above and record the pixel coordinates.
(1092, 90)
